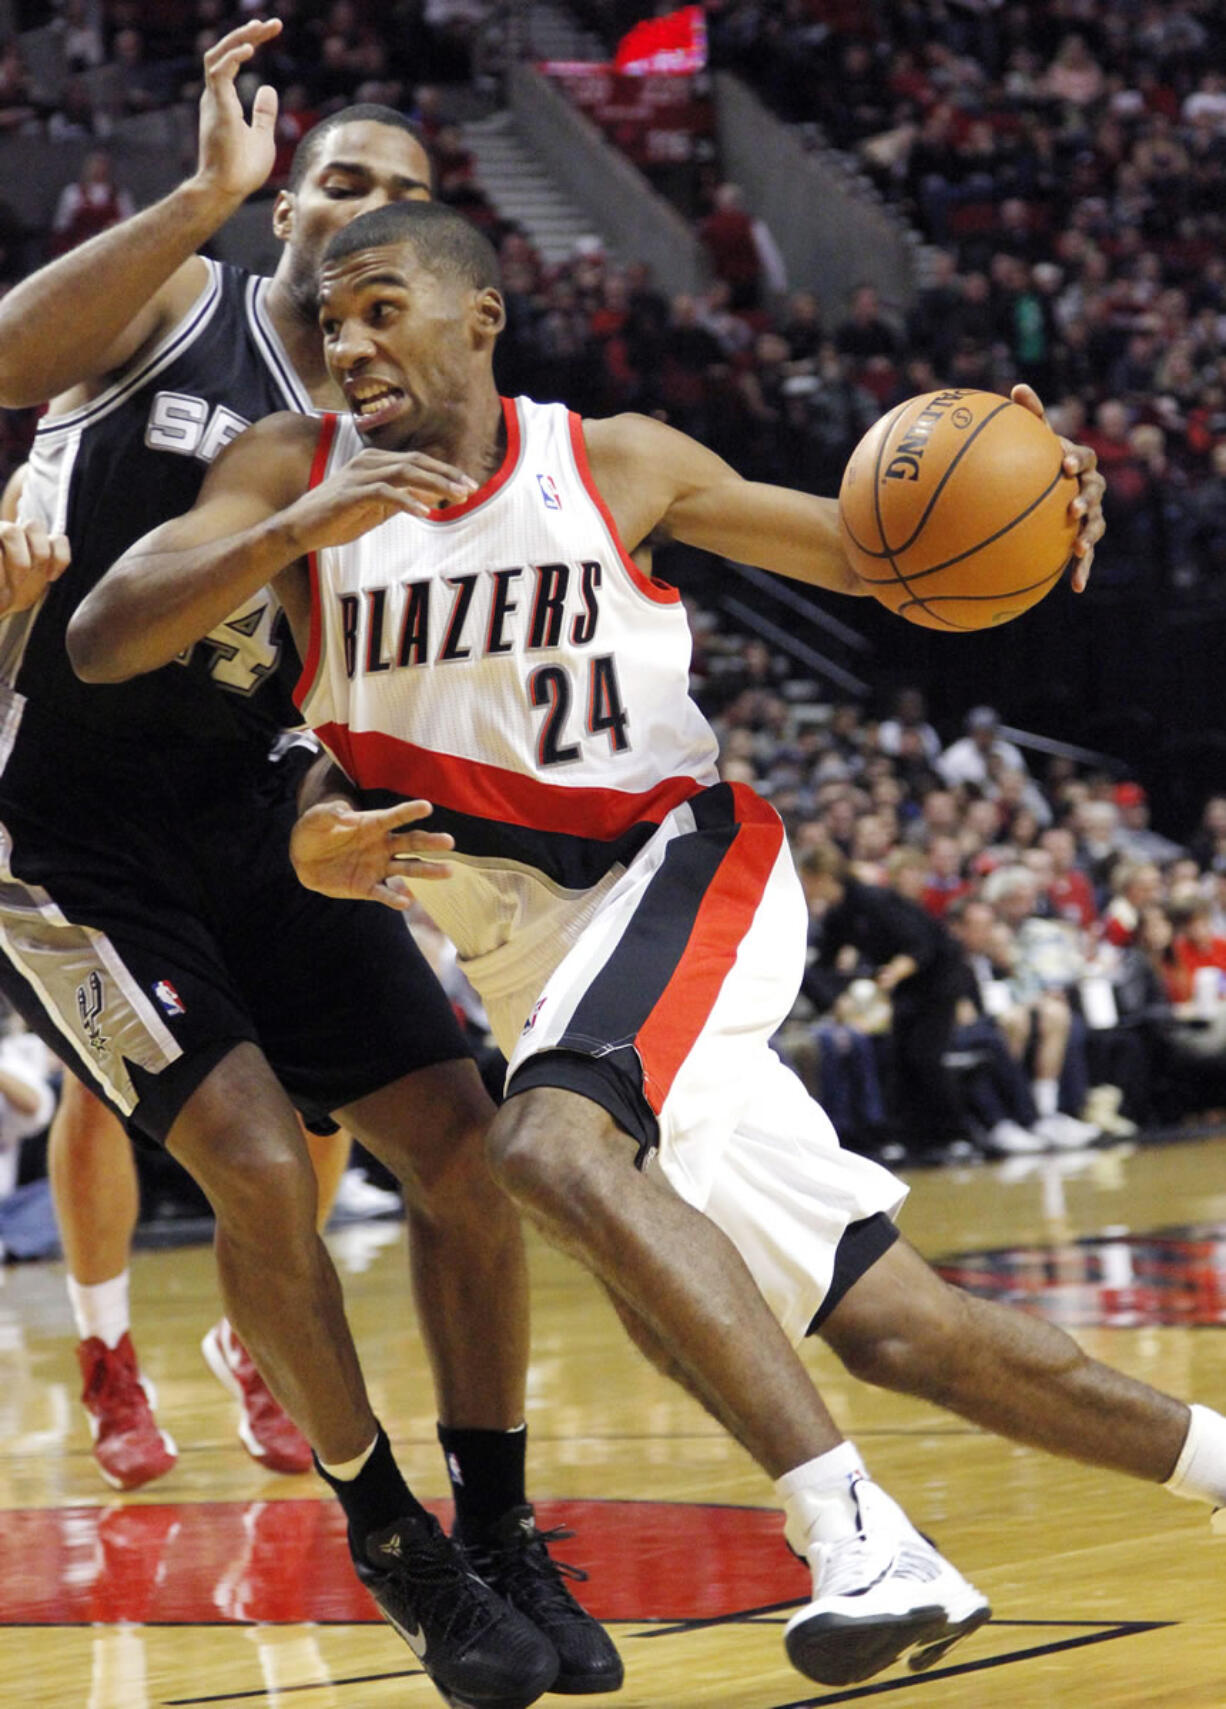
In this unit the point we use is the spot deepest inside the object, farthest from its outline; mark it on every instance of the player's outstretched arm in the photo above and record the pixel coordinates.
(87, 313)
(254, 522)
(654, 478)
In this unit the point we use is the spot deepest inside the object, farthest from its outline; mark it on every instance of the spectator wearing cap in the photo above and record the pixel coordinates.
(972, 757)
(1135, 838)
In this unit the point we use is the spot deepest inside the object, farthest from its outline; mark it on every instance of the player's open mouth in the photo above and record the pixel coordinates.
(374, 402)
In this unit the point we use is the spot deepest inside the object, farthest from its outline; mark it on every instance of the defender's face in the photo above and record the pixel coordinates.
(398, 342)
(362, 165)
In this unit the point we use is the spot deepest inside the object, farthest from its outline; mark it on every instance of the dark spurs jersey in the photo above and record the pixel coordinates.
(108, 472)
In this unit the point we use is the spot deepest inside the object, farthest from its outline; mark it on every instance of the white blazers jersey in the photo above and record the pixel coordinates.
(506, 660)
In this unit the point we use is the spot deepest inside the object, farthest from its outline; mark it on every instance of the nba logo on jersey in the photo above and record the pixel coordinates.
(549, 492)
(169, 998)
(536, 1009)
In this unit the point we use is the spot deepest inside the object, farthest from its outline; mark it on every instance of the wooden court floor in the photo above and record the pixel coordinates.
(223, 1586)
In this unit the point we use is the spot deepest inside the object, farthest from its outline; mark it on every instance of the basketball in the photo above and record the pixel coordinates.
(954, 510)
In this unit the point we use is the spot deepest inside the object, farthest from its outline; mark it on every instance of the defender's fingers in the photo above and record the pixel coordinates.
(15, 546)
(247, 36)
(264, 108)
(391, 893)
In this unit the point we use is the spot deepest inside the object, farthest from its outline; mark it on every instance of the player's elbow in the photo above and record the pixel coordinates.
(95, 649)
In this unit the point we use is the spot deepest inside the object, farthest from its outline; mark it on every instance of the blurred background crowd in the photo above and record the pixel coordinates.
(1017, 943)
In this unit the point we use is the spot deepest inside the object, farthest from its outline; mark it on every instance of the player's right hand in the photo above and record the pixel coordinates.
(362, 856)
(369, 489)
(30, 559)
(235, 157)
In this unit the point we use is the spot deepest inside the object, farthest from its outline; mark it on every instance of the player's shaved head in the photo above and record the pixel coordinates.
(311, 146)
(443, 241)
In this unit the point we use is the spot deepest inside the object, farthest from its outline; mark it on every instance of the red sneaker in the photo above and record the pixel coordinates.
(128, 1446)
(265, 1430)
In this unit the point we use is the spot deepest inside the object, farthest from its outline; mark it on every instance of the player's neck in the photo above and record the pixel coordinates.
(298, 331)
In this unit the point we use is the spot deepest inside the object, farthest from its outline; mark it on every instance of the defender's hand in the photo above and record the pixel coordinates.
(236, 157)
(374, 486)
(364, 856)
(30, 559)
(1079, 460)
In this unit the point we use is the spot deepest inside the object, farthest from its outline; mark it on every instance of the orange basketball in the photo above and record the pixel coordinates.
(954, 510)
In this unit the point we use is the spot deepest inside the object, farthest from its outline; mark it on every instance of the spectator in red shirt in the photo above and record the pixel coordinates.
(1070, 892)
(1195, 945)
(728, 234)
(944, 881)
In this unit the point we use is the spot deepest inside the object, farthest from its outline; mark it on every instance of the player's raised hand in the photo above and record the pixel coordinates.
(30, 559)
(1081, 461)
(374, 486)
(364, 856)
(235, 157)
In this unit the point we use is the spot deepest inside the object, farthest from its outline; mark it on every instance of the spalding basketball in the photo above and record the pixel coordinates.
(954, 510)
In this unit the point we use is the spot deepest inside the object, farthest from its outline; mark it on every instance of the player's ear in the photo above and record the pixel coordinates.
(489, 312)
(283, 215)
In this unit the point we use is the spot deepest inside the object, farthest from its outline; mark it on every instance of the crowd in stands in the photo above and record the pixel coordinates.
(1067, 161)
(1004, 960)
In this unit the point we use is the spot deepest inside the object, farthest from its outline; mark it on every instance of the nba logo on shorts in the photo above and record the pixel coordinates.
(549, 492)
(169, 998)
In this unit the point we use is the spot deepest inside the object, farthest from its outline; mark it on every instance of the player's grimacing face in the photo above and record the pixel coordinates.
(396, 341)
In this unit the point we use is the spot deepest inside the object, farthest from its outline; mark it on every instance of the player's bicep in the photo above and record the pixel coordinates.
(792, 533)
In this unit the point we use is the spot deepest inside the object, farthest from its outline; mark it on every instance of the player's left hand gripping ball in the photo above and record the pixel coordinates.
(1081, 461)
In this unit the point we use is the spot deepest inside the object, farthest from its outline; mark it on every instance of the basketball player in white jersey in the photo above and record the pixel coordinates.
(485, 651)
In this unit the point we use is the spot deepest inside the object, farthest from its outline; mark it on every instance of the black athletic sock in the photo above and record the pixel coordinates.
(486, 1468)
(377, 1496)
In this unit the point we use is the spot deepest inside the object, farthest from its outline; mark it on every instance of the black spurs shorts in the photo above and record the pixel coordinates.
(150, 920)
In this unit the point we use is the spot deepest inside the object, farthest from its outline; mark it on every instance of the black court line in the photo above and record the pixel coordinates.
(287, 1690)
(1108, 1632)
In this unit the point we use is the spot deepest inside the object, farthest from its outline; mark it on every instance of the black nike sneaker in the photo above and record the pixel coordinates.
(513, 1557)
(480, 1653)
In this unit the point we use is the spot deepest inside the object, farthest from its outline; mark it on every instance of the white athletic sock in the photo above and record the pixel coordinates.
(1200, 1471)
(101, 1308)
(816, 1498)
(347, 1470)
(1046, 1096)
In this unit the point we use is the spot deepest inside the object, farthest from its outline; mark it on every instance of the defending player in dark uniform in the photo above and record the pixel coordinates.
(153, 929)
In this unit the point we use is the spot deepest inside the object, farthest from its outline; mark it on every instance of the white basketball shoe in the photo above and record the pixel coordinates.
(879, 1593)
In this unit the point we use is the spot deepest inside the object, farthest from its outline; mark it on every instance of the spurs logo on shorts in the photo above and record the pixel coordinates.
(90, 1005)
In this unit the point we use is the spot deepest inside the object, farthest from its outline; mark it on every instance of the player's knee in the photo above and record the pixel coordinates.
(534, 1160)
(263, 1190)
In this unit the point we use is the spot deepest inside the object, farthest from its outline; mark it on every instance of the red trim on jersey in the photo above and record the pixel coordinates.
(660, 592)
(498, 479)
(378, 761)
(724, 917)
(319, 468)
